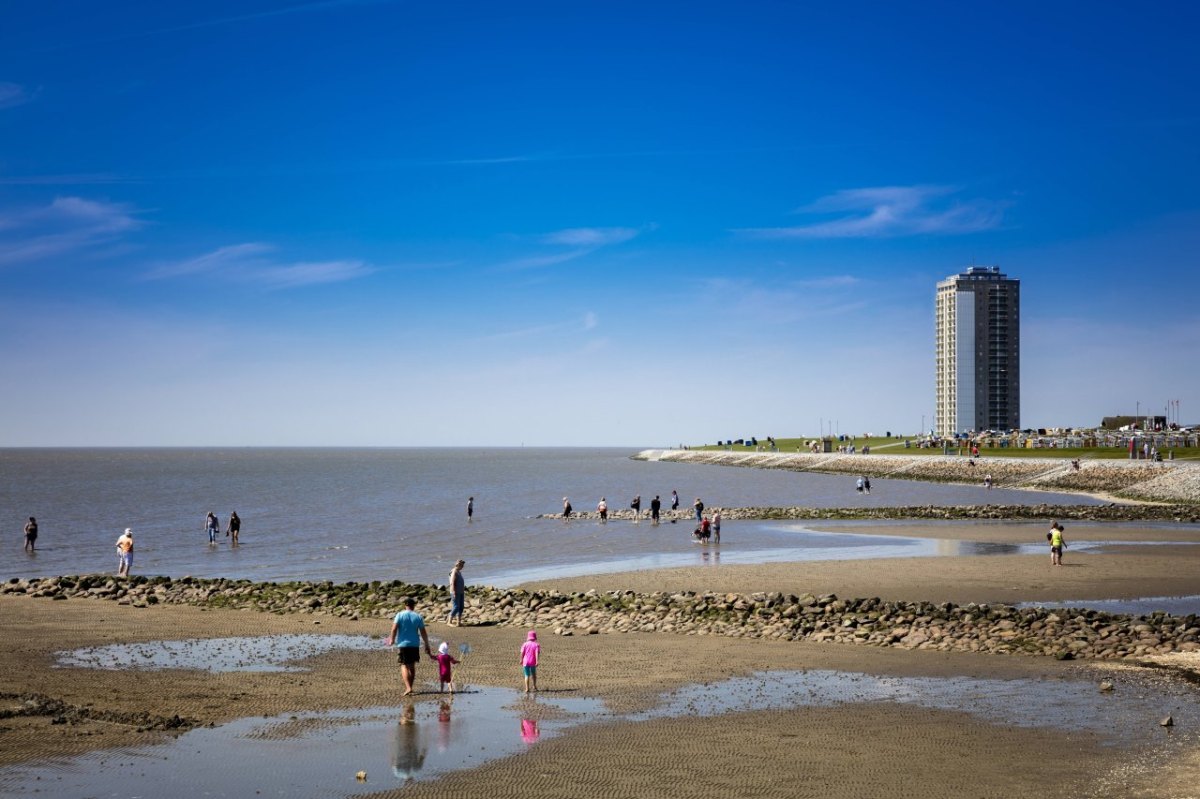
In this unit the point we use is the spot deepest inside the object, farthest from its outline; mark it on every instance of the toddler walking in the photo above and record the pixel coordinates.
(529, 660)
(445, 660)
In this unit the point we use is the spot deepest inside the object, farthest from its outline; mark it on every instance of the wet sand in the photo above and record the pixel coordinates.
(856, 749)
(1123, 571)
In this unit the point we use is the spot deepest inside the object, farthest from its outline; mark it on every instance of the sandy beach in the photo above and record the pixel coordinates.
(1155, 568)
(861, 746)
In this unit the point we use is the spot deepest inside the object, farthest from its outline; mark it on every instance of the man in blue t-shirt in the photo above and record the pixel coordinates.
(408, 631)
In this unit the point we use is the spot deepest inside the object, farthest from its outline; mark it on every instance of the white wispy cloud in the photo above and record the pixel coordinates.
(591, 236)
(66, 225)
(582, 241)
(538, 261)
(256, 262)
(890, 211)
(12, 94)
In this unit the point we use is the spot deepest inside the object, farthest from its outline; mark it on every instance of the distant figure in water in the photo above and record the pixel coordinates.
(470, 507)
(211, 526)
(636, 506)
(716, 527)
(125, 552)
(655, 507)
(30, 534)
(987, 481)
(235, 527)
(602, 509)
(867, 484)
(703, 531)
(566, 508)
(859, 485)
(674, 500)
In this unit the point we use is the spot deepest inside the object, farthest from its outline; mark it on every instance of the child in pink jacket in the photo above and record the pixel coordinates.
(529, 660)
(445, 662)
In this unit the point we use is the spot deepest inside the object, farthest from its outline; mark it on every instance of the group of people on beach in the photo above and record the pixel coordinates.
(409, 637)
(705, 530)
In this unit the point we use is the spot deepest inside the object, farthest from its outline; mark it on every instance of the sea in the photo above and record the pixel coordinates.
(364, 514)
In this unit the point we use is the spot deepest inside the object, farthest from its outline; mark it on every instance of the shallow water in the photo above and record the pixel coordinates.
(793, 542)
(318, 754)
(314, 755)
(1141, 606)
(365, 514)
(254, 653)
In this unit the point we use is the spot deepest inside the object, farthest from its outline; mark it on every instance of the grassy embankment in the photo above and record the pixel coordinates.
(893, 446)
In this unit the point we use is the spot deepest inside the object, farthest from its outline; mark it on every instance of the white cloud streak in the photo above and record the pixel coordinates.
(255, 262)
(582, 241)
(590, 236)
(890, 211)
(66, 225)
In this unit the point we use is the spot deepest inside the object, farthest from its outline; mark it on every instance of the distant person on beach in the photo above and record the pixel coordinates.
(125, 553)
(234, 528)
(530, 652)
(470, 507)
(987, 481)
(211, 526)
(859, 485)
(602, 509)
(703, 530)
(566, 508)
(655, 507)
(458, 593)
(31, 535)
(699, 506)
(867, 485)
(1057, 543)
(445, 663)
(636, 505)
(408, 631)
(716, 526)
(674, 500)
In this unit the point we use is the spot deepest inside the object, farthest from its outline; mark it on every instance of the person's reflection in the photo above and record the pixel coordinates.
(529, 731)
(444, 708)
(408, 752)
(711, 557)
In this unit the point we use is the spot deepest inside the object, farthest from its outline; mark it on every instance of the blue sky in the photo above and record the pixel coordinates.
(389, 223)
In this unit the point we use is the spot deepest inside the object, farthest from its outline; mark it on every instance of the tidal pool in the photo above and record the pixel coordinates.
(1140, 606)
(317, 755)
(789, 542)
(257, 653)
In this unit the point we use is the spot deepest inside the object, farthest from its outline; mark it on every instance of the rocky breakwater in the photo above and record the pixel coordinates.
(1002, 629)
(1169, 481)
(1043, 512)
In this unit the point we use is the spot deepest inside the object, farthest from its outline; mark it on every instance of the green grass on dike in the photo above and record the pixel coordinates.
(893, 446)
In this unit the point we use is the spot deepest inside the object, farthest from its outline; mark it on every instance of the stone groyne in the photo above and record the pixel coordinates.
(1001, 629)
(1042, 512)
(1167, 481)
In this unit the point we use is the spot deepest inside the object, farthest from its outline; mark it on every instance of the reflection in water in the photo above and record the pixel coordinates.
(711, 557)
(444, 736)
(408, 752)
(529, 731)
